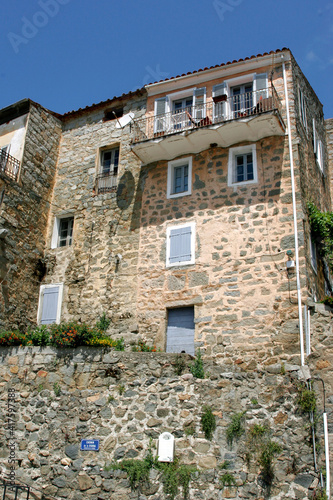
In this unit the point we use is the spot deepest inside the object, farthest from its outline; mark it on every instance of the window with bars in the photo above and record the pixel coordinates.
(106, 180)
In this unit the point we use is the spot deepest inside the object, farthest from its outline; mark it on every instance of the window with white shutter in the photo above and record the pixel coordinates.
(181, 245)
(49, 307)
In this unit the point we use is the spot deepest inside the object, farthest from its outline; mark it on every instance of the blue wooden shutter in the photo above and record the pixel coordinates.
(180, 331)
(220, 108)
(50, 305)
(160, 118)
(199, 103)
(180, 245)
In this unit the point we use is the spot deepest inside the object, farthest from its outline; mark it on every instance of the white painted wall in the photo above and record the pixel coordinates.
(13, 134)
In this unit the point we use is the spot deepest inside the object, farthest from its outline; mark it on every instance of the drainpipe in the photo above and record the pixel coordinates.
(299, 297)
(327, 451)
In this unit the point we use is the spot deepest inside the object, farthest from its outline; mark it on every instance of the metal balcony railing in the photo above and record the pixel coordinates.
(106, 182)
(216, 111)
(14, 491)
(9, 165)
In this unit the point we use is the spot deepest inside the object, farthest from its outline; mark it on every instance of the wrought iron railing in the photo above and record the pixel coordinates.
(9, 165)
(14, 491)
(218, 110)
(106, 182)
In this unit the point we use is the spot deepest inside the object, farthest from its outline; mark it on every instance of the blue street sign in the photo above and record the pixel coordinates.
(90, 444)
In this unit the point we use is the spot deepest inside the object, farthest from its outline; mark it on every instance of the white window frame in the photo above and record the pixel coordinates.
(171, 170)
(313, 254)
(318, 148)
(182, 263)
(111, 150)
(56, 231)
(319, 155)
(302, 109)
(41, 297)
(241, 150)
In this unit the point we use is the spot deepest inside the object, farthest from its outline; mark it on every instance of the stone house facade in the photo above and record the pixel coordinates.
(173, 209)
(219, 208)
(29, 139)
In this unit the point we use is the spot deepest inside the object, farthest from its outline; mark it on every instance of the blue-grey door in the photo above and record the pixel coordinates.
(50, 305)
(180, 331)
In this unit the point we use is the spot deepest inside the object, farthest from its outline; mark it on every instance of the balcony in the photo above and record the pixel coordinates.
(106, 183)
(223, 120)
(9, 165)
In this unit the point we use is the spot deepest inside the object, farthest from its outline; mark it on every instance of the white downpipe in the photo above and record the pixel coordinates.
(299, 297)
(327, 459)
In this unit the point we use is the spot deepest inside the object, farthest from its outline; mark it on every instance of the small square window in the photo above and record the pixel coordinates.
(62, 232)
(179, 178)
(181, 245)
(242, 168)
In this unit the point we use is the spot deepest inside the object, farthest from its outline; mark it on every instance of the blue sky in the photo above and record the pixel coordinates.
(67, 54)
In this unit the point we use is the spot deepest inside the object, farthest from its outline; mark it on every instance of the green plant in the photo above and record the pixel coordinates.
(208, 422)
(283, 369)
(56, 389)
(40, 388)
(110, 398)
(142, 346)
(179, 364)
(137, 471)
(175, 476)
(306, 399)
(328, 301)
(12, 338)
(320, 495)
(121, 389)
(257, 431)
(322, 231)
(254, 401)
(236, 427)
(196, 368)
(103, 323)
(190, 430)
(39, 336)
(268, 452)
(224, 465)
(227, 479)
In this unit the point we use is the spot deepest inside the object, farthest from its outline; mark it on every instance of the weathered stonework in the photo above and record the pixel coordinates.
(105, 225)
(24, 210)
(127, 399)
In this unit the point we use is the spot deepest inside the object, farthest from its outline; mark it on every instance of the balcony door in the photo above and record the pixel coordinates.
(242, 100)
(181, 110)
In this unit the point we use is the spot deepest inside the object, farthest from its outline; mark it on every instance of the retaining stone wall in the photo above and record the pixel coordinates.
(127, 399)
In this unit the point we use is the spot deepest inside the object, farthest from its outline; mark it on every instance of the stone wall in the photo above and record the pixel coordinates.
(238, 284)
(314, 185)
(24, 210)
(104, 224)
(127, 399)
